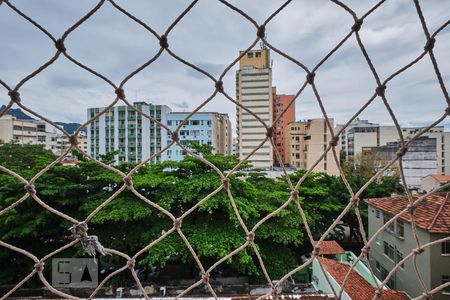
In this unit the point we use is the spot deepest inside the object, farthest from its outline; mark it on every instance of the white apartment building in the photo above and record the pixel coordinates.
(363, 134)
(121, 129)
(204, 128)
(254, 91)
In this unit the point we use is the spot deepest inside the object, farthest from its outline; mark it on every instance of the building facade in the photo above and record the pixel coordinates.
(254, 91)
(361, 134)
(21, 131)
(420, 160)
(305, 143)
(280, 103)
(204, 128)
(133, 136)
(37, 132)
(432, 219)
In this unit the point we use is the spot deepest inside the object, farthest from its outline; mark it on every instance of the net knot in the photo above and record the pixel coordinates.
(365, 250)
(411, 207)
(426, 295)
(357, 26)
(354, 201)
(219, 86)
(39, 266)
(120, 93)
(163, 42)
(310, 77)
(177, 223)
(205, 278)
(334, 141)
(128, 181)
(73, 140)
(378, 293)
(131, 263)
(418, 251)
(175, 136)
(250, 237)
(269, 132)
(30, 189)
(429, 44)
(15, 96)
(59, 44)
(316, 251)
(380, 90)
(226, 182)
(90, 243)
(402, 151)
(294, 195)
(261, 33)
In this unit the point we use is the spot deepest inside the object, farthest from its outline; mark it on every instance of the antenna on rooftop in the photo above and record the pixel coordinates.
(262, 45)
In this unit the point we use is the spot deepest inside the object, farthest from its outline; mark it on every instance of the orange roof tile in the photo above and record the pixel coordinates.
(330, 247)
(432, 214)
(441, 178)
(356, 286)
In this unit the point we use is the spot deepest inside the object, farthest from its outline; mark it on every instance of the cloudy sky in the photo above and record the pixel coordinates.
(210, 36)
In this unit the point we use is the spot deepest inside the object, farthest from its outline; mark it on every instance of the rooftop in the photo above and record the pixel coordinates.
(330, 247)
(356, 286)
(440, 178)
(432, 214)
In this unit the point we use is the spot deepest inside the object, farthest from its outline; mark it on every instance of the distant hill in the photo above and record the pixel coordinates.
(70, 127)
(16, 112)
(20, 115)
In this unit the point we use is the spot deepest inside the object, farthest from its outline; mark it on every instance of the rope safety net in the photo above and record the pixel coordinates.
(92, 245)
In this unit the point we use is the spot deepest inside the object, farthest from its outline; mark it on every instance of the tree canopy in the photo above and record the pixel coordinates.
(128, 224)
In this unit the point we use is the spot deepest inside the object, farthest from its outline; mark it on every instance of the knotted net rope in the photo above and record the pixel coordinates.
(91, 243)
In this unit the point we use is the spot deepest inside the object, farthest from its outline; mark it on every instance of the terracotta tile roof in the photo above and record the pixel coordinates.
(356, 286)
(441, 178)
(432, 214)
(330, 247)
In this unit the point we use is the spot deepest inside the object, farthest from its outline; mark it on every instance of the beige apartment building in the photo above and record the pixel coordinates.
(224, 134)
(20, 131)
(305, 143)
(36, 132)
(254, 91)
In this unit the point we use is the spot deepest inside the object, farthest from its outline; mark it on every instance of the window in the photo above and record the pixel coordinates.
(384, 273)
(446, 248)
(258, 54)
(377, 213)
(389, 250)
(386, 218)
(400, 228)
(195, 122)
(250, 55)
(399, 258)
(445, 279)
(377, 265)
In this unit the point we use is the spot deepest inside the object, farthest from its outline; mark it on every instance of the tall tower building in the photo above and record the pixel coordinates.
(280, 103)
(254, 91)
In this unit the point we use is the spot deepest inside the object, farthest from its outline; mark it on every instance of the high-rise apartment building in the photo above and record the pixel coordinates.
(37, 132)
(204, 128)
(254, 91)
(281, 103)
(305, 143)
(122, 129)
(361, 134)
(21, 131)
